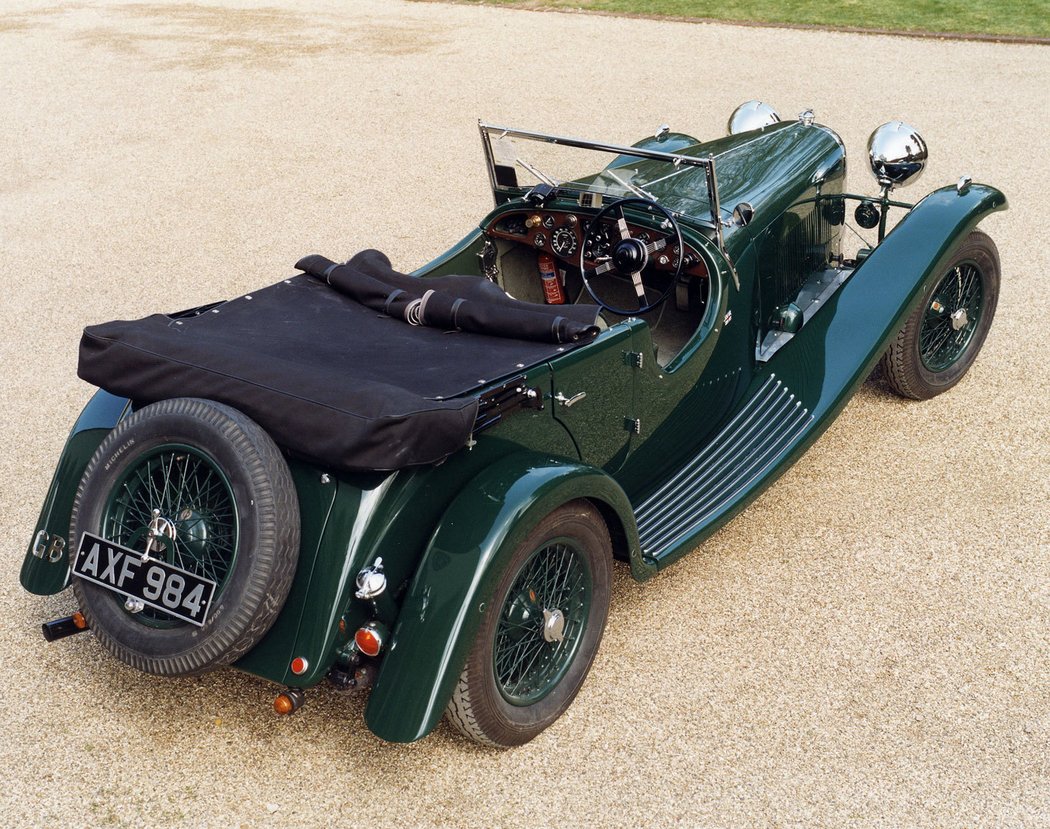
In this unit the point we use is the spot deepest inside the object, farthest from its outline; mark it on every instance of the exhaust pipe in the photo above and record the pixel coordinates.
(66, 626)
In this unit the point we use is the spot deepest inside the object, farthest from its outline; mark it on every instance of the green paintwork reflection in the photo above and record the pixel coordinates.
(353, 519)
(602, 373)
(102, 412)
(680, 404)
(834, 353)
(271, 657)
(671, 142)
(441, 612)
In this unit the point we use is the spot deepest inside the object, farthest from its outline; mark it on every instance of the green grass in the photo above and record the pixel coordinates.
(996, 17)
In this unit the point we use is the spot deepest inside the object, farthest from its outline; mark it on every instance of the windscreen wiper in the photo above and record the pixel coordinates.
(541, 176)
(638, 191)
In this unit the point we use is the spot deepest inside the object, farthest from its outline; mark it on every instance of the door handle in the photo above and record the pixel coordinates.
(569, 401)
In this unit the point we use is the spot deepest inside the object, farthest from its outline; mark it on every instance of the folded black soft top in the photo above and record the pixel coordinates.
(345, 383)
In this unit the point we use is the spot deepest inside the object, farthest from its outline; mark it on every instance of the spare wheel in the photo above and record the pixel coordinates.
(217, 494)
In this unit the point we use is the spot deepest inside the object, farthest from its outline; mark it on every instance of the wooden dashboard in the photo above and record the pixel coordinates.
(561, 234)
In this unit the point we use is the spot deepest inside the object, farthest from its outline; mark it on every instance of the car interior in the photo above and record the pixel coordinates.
(521, 244)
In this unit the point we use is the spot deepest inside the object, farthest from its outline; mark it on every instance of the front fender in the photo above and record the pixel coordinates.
(873, 306)
(45, 569)
(457, 574)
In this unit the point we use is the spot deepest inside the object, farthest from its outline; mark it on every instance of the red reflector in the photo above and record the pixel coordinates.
(368, 641)
(299, 666)
(79, 620)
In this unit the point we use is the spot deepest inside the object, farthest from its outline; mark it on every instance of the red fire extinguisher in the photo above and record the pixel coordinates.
(552, 291)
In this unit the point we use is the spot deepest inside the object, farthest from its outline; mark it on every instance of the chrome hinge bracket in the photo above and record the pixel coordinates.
(633, 425)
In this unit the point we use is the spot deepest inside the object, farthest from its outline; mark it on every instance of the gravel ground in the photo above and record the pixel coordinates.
(867, 645)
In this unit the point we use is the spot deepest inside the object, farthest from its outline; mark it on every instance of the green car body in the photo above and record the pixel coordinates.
(667, 453)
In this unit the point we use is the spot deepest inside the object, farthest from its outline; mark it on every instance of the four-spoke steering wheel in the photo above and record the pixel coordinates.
(629, 255)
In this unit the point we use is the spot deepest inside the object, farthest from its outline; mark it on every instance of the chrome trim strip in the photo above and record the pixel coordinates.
(659, 495)
(761, 437)
(490, 161)
(757, 436)
(583, 144)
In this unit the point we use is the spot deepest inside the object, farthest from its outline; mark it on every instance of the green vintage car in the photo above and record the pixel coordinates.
(416, 484)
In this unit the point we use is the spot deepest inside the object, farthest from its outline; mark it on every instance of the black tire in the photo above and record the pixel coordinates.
(247, 532)
(493, 704)
(912, 366)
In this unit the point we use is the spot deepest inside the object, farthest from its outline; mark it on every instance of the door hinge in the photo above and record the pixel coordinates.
(634, 358)
(633, 424)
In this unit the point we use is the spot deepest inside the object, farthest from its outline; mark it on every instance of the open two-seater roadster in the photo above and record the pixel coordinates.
(417, 484)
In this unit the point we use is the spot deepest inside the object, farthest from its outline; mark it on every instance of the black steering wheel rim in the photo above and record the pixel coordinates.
(643, 306)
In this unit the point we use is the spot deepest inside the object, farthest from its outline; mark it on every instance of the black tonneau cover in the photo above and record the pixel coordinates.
(330, 378)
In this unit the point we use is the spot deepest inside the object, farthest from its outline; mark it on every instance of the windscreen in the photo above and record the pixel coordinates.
(596, 173)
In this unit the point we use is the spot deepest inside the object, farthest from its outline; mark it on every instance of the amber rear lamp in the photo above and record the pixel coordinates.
(283, 704)
(79, 620)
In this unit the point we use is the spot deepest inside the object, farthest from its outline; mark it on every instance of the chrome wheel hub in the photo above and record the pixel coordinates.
(161, 530)
(960, 320)
(553, 625)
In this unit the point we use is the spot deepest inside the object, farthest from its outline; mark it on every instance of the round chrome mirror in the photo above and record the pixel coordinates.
(751, 115)
(897, 154)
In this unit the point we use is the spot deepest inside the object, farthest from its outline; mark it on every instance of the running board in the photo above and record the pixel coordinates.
(755, 439)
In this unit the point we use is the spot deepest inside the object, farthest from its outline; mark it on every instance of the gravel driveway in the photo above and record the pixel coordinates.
(867, 645)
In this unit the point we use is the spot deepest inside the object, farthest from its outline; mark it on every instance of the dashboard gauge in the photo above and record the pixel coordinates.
(563, 241)
(548, 222)
(598, 242)
(540, 240)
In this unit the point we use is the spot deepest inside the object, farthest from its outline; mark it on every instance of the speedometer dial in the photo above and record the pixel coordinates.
(563, 241)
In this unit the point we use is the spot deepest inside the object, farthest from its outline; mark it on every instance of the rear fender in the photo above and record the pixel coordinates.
(442, 610)
(46, 566)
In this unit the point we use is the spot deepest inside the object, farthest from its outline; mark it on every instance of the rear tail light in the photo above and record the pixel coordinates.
(370, 638)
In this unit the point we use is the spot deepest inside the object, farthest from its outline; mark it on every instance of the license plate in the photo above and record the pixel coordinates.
(157, 584)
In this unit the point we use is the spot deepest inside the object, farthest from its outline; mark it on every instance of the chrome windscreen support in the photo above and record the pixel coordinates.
(676, 159)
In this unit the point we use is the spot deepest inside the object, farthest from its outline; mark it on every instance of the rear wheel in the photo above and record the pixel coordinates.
(217, 493)
(541, 632)
(942, 337)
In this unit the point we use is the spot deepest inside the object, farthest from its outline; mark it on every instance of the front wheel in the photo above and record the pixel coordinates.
(540, 633)
(942, 337)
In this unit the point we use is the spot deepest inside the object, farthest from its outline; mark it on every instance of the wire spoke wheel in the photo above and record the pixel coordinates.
(201, 487)
(542, 621)
(539, 635)
(183, 490)
(952, 317)
(942, 337)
